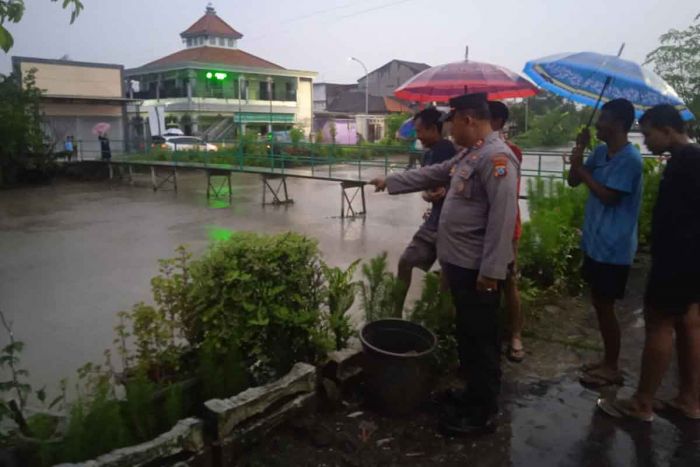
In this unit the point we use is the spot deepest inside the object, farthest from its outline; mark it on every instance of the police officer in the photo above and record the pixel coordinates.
(475, 236)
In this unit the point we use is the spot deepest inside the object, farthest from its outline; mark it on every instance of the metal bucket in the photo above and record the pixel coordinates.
(398, 364)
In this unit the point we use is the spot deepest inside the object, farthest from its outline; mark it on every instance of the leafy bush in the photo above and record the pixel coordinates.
(550, 252)
(556, 127)
(296, 135)
(261, 294)
(381, 291)
(340, 295)
(434, 310)
(162, 332)
(652, 178)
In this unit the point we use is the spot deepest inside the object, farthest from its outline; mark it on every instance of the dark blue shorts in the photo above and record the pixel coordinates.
(606, 280)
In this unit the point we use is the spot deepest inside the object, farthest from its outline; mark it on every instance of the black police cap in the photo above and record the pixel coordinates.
(475, 100)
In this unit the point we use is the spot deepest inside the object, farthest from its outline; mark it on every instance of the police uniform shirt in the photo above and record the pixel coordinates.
(479, 214)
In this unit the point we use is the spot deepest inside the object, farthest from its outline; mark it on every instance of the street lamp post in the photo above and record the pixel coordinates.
(366, 84)
(366, 135)
(240, 110)
(270, 137)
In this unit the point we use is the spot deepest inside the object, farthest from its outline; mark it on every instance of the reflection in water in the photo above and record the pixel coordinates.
(562, 427)
(218, 233)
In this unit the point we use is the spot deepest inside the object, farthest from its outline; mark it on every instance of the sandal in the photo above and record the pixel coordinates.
(594, 379)
(586, 367)
(515, 355)
(623, 409)
(673, 408)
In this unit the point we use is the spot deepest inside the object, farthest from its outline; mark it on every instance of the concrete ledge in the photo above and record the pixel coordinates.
(258, 406)
(186, 436)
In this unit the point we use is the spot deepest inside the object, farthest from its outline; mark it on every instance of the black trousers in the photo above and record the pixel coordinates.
(478, 336)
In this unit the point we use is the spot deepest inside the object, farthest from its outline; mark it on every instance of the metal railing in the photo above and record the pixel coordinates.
(317, 160)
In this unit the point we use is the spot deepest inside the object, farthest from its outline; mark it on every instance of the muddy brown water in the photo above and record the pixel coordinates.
(73, 254)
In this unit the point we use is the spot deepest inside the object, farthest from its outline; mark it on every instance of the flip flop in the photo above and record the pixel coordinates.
(595, 380)
(586, 367)
(515, 355)
(671, 407)
(622, 409)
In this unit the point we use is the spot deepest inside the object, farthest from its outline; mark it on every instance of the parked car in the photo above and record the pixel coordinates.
(186, 143)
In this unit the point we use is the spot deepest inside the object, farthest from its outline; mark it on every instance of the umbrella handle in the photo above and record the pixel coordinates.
(608, 80)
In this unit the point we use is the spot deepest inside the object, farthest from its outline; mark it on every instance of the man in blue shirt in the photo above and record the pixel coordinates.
(613, 174)
(422, 251)
(672, 298)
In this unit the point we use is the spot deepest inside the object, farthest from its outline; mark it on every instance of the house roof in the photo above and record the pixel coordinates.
(213, 56)
(354, 102)
(413, 66)
(396, 105)
(210, 24)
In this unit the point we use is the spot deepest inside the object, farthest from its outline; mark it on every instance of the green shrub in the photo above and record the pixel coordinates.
(381, 291)
(653, 170)
(340, 294)
(434, 310)
(550, 252)
(263, 295)
(222, 373)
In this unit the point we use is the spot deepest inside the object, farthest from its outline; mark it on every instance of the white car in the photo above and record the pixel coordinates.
(187, 143)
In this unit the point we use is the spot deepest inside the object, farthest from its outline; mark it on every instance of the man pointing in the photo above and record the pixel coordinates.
(474, 247)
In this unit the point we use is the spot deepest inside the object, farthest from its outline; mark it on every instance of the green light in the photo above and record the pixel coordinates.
(209, 75)
(221, 76)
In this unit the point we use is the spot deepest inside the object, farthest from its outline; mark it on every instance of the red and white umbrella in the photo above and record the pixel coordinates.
(441, 83)
(101, 128)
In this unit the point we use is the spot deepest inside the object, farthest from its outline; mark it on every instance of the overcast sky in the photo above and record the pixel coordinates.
(320, 35)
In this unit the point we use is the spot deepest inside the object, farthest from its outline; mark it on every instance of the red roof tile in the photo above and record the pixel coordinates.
(215, 55)
(395, 105)
(211, 24)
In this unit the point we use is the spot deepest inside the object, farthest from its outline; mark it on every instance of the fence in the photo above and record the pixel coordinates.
(356, 162)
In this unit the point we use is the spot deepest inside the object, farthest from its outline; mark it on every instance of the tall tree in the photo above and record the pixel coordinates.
(20, 126)
(12, 11)
(677, 60)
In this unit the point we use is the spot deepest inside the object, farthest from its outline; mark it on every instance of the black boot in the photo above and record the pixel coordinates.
(471, 420)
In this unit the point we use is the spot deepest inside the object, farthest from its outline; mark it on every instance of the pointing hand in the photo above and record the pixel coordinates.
(379, 183)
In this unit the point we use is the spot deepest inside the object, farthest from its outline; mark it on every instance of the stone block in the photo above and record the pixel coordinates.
(262, 405)
(186, 436)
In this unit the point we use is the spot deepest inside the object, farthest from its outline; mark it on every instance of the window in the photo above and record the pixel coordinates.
(264, 94)
(230, 42)
(290, 92)
(212, 41)
(222, 41)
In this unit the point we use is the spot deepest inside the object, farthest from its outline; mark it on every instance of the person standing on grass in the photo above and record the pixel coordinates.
(422, 251)
(613, 175)
(516, 351)
(672, 299)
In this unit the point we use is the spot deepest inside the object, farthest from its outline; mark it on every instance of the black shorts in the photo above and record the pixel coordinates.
(422, 251)
(672, 293)
(606, 280)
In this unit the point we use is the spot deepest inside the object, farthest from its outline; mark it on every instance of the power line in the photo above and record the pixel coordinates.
(319, 12)
(330, 10)
(381, 7)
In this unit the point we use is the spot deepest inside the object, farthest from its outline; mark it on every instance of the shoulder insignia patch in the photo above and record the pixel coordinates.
(500, 166)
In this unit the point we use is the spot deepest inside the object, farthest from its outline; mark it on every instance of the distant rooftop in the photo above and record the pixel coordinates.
(211, 25)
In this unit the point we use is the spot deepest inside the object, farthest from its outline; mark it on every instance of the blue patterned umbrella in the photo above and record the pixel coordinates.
(407, 130)
(583, 76)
